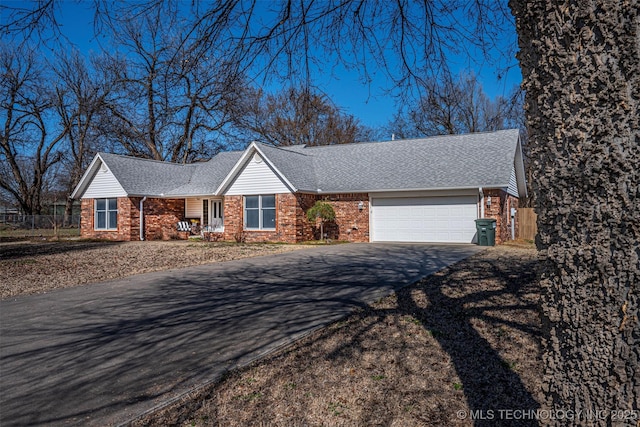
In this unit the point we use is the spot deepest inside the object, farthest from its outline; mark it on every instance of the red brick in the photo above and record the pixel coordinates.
(500, 210)
(160, 219)
(351, 223)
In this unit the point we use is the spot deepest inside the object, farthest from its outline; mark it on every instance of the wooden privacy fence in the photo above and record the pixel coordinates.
(527, 225)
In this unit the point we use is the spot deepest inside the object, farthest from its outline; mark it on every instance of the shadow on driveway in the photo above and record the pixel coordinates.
(103, 354)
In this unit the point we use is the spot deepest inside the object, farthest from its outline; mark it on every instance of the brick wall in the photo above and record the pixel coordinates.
(500, 210)
(86, 218)
(351, 224)
(232, 217)
(124, 230)
(306, 230)
(288, 228)
(128, 219)
(160, 217)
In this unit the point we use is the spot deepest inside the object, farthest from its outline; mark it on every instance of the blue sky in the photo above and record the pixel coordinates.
(371, 102)
(374, 107)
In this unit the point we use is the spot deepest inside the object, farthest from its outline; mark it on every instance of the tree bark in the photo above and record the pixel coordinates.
(581, 67)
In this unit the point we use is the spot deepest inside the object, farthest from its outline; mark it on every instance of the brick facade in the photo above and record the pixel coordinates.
(500, 210)
(307, 230)
(289, 228)
(127, 222)
(351, 224)
(160, 219)
(232, 208)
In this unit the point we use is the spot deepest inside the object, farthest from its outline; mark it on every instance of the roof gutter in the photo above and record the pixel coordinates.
(142, 217)
(397, 190)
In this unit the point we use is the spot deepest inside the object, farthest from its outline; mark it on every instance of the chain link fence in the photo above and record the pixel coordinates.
(17, 226)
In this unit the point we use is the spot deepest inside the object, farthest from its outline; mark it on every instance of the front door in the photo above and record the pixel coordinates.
(212, 214)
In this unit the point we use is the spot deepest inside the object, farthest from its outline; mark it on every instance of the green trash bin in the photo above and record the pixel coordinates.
(486, 228)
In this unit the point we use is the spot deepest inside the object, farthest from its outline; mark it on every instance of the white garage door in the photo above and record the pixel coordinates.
(424, 219)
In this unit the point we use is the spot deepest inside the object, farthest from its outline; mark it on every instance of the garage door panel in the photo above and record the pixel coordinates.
(424, 219)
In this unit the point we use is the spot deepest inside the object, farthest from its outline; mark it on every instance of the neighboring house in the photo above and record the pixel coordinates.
(419, 190)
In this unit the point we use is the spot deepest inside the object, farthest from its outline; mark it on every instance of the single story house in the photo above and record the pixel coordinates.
(418, 190)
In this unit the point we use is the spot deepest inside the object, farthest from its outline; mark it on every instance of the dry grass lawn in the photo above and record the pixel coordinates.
(460, 342)
(29, 267)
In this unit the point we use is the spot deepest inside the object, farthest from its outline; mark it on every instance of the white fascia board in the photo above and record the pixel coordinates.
(398, 190)
(521, 176)
(242, 161)
(404, 191)
(470, 191)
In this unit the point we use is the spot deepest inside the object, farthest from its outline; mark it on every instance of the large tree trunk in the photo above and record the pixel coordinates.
(581, 66)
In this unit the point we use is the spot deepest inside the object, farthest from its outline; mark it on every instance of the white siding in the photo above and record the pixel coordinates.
(513, 183)
(257, 178)
(193, 208)
(104, 184)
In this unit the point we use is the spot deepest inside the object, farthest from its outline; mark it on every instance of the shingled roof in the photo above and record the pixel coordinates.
(147, 177)
(440, 162)
(207, 176)
(486, 160)
(144, 177)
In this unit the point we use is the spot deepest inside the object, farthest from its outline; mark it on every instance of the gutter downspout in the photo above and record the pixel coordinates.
(481, 202)
(142, 217)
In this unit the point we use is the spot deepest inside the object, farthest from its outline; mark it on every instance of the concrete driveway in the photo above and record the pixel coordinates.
(105, 353)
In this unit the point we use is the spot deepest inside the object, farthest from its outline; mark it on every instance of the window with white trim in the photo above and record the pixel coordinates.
(260, 212)
(106, 214)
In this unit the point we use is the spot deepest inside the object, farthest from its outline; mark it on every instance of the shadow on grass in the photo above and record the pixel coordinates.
(30, 248)
(466, 309)
(457, 303)
(480, 313)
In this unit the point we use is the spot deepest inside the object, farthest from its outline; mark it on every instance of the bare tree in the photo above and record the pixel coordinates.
(169, 95)
(29, 143)
(455, 106)
(30, 20)
(285, 38)
(297, 116)
(79, 102)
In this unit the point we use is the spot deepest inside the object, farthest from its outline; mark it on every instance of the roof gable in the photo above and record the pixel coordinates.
(90, 174)
(257, 177)
(138, 177)
(104, 183)
(242, 162)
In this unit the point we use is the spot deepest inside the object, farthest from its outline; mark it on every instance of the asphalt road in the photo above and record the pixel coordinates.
(105, 353)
